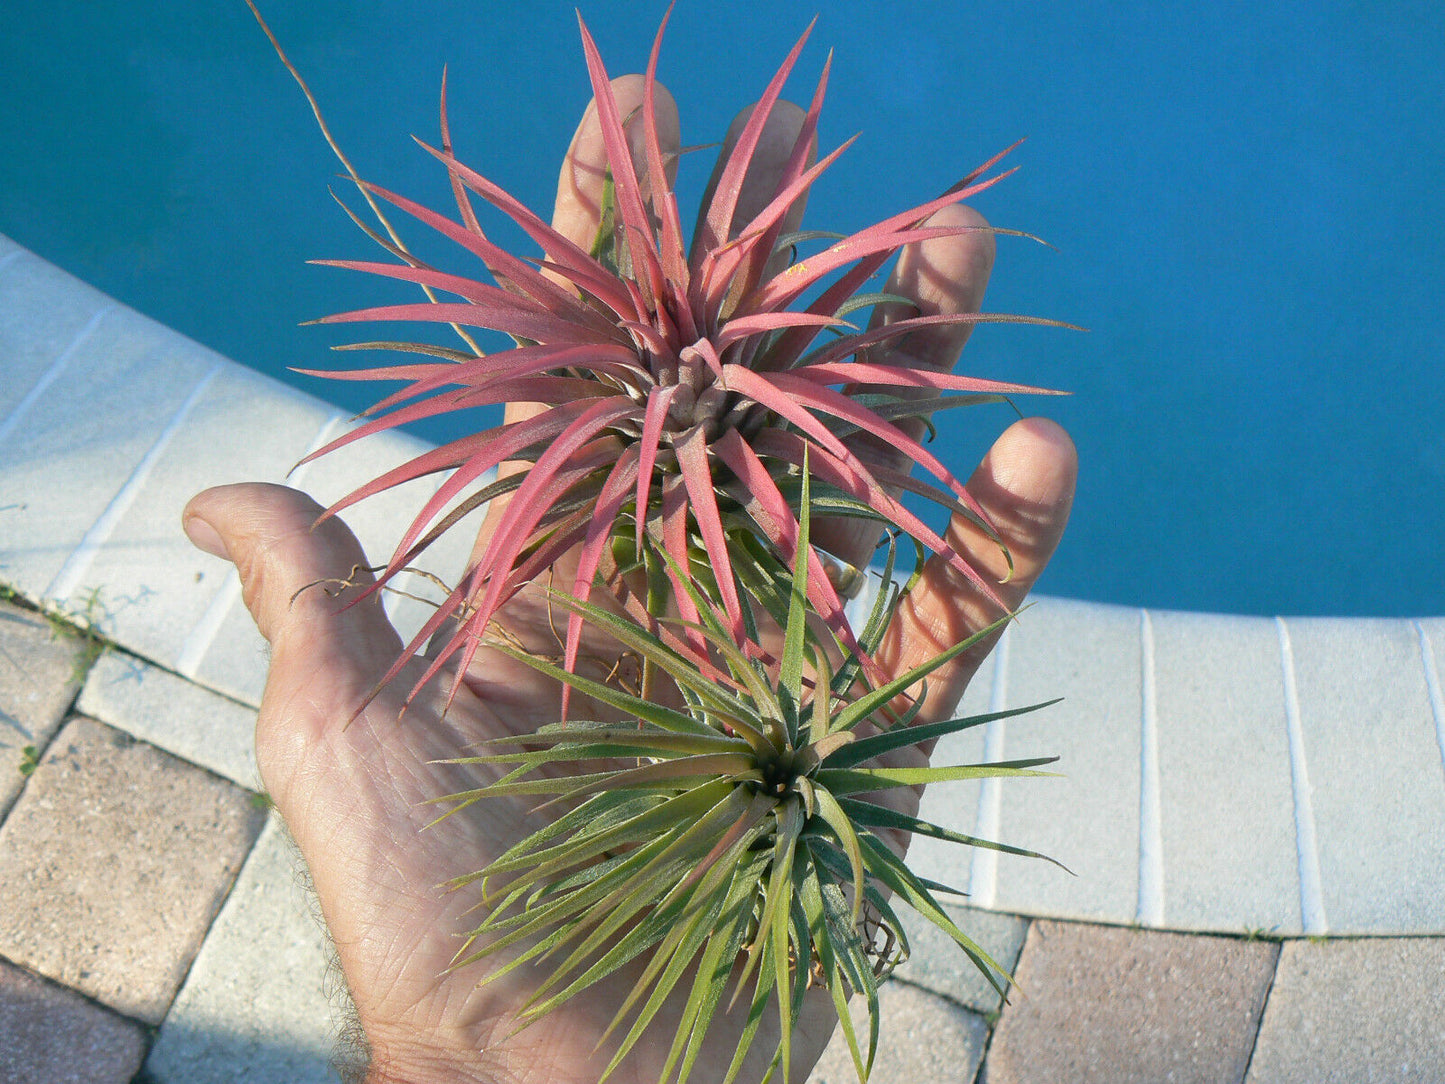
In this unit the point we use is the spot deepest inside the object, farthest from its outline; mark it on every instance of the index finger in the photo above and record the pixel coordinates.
(940, 276)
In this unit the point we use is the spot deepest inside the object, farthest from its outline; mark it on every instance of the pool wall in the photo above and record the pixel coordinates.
(1219, 773)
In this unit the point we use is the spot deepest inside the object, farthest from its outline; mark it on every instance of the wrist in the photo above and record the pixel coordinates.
(410, 1062)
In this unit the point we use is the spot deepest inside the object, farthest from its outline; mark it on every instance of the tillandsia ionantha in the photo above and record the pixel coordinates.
(744, 840)
(678, 394)
(732, 816)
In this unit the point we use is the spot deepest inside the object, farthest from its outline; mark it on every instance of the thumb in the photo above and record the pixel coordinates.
(291, 568)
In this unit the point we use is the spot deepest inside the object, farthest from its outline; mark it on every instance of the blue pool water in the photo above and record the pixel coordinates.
(1243, 202)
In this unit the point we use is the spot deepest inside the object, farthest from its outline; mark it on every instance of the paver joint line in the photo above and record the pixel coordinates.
(1312, 902)
(1432, 686)
(1151, 847)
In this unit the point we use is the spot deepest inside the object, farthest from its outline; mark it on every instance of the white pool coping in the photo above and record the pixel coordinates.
(1221, 773)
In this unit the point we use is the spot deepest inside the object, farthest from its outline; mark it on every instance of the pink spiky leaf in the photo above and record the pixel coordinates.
(755, 245)
(671, 247)
(719, 219)
(505, 317)
(601, 524)
(659, 400)
(519, 273)
(902, 376)
(566, 257)
(697, 477)
(635, 218)
(541, 489)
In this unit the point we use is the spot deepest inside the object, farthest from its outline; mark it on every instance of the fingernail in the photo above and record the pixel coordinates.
(205, 537)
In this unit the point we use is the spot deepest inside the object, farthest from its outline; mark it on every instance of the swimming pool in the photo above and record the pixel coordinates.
(1243, 205)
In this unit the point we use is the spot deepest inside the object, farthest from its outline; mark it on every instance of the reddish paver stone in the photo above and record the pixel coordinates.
(1117, 1005)
(37, 683)
(51, 1035)
(1354, 1012)
(113, 864)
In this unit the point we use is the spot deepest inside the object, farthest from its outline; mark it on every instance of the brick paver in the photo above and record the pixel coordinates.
(113, 864)
(51, 1035)
(38, 680)
(1355, 1012)
(1117, 1006)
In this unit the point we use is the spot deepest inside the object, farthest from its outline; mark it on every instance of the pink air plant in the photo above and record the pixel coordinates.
(679, 398)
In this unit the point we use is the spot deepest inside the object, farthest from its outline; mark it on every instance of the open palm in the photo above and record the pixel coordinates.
(355, 793)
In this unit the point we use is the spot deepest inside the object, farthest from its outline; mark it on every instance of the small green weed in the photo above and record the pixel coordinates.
(29, 759)
(1261, 933)
(82, 625)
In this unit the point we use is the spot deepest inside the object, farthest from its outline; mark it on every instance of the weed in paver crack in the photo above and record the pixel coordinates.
(29, 759)
(83, 625)
(1260, 933)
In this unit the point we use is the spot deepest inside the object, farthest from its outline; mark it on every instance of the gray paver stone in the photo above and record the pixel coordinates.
(241, 426)
(1089, 818)
(939, 965)
(253, 1007)
(81, 459)
(1378, 788)
(1227, 820)
(1116, 1006)
(42, 310)
(1355, 1012)
(37, 684)
(170, 712)
(51, 1035)
(922, 1038)
(114, 862)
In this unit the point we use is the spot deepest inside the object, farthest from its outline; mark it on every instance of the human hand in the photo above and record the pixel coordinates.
(355, 791)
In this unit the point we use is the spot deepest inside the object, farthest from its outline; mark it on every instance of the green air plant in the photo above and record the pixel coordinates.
(732, 824)
(747, 834)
